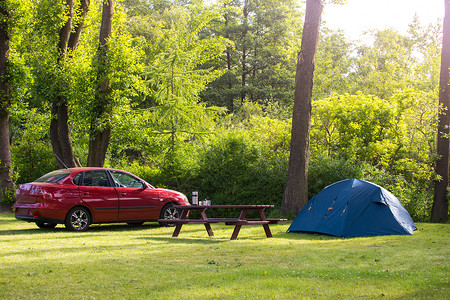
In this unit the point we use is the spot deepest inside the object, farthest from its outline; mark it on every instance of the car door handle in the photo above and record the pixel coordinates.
(123, 194)
(85, 193)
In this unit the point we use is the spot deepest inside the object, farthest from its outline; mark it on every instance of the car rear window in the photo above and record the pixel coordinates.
(53, 177)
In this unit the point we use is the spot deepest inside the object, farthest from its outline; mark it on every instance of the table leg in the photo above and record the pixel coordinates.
(207, 226)
(262, 216)
(237, 228)
(176, 232)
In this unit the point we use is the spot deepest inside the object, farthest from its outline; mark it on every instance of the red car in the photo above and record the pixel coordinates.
(78, 197)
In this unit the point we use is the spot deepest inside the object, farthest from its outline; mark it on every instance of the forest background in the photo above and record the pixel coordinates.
(201, 98)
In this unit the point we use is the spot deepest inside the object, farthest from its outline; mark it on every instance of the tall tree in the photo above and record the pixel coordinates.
(334, 63)
(69, 36)
(439, 212)
(261, 66)
(100, 130)
(171, 113)
(296, 191)
(385, 66)
(6, 180)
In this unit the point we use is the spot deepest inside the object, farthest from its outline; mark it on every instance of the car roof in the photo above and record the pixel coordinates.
(81, 169)
(78, 170)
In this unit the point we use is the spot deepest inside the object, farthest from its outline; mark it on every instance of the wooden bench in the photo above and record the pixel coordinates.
(237, 222)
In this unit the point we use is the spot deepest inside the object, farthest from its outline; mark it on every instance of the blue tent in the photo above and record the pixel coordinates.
(351, 208)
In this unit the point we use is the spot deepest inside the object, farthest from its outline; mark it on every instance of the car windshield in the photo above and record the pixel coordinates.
(54, 176)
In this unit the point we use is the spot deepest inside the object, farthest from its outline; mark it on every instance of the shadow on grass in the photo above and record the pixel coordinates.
(188, 234)
(192, 240)
(92, 229)
(306, 236)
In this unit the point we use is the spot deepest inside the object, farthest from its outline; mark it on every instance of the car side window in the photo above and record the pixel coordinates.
(95, 178)
(77, 179)
(126, 180)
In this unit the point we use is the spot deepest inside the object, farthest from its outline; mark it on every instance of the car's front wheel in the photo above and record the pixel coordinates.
(169, 213)
(44, 225)
(78, 219)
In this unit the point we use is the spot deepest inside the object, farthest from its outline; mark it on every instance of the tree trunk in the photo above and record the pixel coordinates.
(244, 52)
(6, 171)
(230, 101)
(69, 37)
(6, 175)
(74, 38)
(296, 191)
(100, 133)
(439, 212)
(59, 128)
(60, 134)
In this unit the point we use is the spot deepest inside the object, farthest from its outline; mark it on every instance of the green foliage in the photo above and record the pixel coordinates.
(146, 172)
(7, 197)
(170, 112)
(120, 68)
(334, 63)
(386, 66)
(170, 64)
(324, 170)
(270, 134)
(32, 160)
(392, 143)
(232, 171)
(32, 154)
(352, 126)
(261, 65)
(428, 45)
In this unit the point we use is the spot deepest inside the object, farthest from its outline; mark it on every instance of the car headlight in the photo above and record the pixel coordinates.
(184, 199)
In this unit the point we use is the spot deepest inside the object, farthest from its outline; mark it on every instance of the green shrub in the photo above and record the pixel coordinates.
(7, 197)
(324, 171)
(148, 172)
(175, 171)
(232, 171)
(32, 160)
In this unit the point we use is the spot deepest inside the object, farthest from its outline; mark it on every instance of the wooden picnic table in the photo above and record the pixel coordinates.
(237, 222)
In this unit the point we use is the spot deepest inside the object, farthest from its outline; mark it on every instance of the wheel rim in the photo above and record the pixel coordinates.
(171, 213)
(79, 220)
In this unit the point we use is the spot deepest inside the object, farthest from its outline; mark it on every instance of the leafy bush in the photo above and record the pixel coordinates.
(32, 160)
(31, 152)
(7, 198)
(324, 171)
(147, 172)
(232, 171)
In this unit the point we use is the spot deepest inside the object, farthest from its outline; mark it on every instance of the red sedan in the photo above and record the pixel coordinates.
(78, 197)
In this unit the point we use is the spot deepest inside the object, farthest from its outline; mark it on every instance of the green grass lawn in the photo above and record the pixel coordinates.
(122, 262)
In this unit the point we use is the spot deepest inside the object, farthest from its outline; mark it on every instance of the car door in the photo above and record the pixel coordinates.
(137, 202)
(99, 194)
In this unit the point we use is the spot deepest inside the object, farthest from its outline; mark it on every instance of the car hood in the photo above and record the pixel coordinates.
(172, 193)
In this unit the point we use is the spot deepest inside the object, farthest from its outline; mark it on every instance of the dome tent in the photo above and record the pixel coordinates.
(352, 208)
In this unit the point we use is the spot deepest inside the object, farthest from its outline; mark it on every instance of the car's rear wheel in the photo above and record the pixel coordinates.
(78, 219)
(44, 225)
(169, 213)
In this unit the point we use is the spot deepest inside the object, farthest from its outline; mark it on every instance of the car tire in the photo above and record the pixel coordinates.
(168, 212)
(44, 225)
(78, 219)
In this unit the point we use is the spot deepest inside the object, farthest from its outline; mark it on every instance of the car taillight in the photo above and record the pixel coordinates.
(40, 193)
